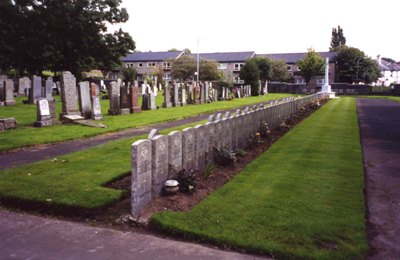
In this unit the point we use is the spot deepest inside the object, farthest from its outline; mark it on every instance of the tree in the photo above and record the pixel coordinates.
(279, 71)
(129, 75)
(208, 70)
(183, 68)
(58, 35)
(187, 51)
(251, 76)
(338, 40)
(312, 65)
(264, 67)
(172, 50)
(353, 66)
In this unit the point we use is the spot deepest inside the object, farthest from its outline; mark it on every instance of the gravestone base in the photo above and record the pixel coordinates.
(70, 118)
(177, 104)
(10, 103)
(8, 123)
(167, 105)
(115, 111)
(135, 109)
(43, 123)
(125, 111)
(97, 116)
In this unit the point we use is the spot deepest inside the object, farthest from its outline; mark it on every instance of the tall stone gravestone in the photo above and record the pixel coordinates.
(49, 89)
(43, 113)
(85, 103)
(174, 153)
(69, 95)
(141, 176)
(96, 109)
(159, 163)
(134, 98)
(183, 95)
(201, 147)
(175, 102)
(24, 84)
(114, 95)
(188, 149)
(167, 96)
(9, 93)
(2, 92)
(35, 92)
(152, 101)
(125, 107)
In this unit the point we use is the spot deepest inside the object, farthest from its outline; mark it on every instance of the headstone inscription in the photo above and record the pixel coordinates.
(159, 163)
(114, 94)
(134, 98)
(167, 96)
(69, 95)
(9, 93)
(43, 113)
(174, 153)
(49, 89)
(35, 92)
(188, 148)
(96, 108)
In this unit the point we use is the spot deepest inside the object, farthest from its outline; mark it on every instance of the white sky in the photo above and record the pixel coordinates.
(264, 26)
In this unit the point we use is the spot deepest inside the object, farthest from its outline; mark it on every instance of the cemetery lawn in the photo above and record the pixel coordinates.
(303, 198)
(26, 135)
(72, 184)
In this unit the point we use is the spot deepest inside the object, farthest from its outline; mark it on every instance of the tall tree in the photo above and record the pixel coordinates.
(338, 40)
(312, 65)
(264, 67)
(208, 70)
(62, 35)
(251, 76)
(279, 71)
(183, 68)
(353, 66)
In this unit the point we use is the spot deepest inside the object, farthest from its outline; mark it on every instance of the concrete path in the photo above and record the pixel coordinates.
(380, 131)
(31, 237)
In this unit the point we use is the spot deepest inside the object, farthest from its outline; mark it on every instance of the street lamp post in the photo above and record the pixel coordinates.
(198, 59)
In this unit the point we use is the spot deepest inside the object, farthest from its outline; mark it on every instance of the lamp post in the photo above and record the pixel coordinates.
(198, 59)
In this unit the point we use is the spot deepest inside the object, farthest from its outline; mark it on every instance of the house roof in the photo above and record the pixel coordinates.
(388, 66)
(295, 57)
(226, 56)
(152, 56)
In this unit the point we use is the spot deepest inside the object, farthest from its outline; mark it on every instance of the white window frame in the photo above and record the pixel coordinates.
(166, 65)
(320, 81)
(238, 66)
(289, 67)
(222, 66)
(140, 65)
(151, 64)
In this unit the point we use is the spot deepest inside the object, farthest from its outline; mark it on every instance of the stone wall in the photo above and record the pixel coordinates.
(158, 159)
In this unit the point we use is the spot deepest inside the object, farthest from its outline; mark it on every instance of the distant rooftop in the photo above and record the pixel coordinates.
(226, 56)
(295, 57)
(388, 66)
(152, 56)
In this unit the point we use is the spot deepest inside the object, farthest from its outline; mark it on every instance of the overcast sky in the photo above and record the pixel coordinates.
(264, 26)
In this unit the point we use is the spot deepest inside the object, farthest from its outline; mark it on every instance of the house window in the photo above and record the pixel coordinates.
(167, 65)
(167, 77)
(300, 81)
(298, 68)
(140, 65)
(129, 65)
(289, 68)
(237, 80)
(151, 64)
(238, 66)
(222, 66)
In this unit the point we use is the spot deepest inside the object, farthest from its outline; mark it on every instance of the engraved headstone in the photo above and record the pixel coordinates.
(69, 95)
(183, 95)
(153, 133)
(49, 89)
(174, 152)
(43, 113)
(188, 148)
(159, 163)
(114, 95)
(24, 84)
(134, 98)
(2, 92)
(210, 118)
(146, 102)
(141, 176)
(35, 92)
(201, 147)
(175, 102)
(152, 101)
(9, 93)
(85, 103)
(96, 109)
(167, 96)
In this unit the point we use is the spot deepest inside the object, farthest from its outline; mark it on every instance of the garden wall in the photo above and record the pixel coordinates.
(160, 158)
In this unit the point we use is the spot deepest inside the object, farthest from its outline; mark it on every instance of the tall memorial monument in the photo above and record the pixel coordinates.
(326, 88)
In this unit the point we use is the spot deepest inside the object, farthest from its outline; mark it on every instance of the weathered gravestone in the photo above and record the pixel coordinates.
(153, 133)
(96, 109)
(210, 134)
(183, 95)
(152, 101)
(134, 98)
(114, 94)
(159, 163)
(125, 107)
(43, 113)
(69, 95)
(48, 89)
(9, 93)
(188, 149)
(7, 123)
(141, 176)
(85, 103)
(146, 102)
(174, 153)
(2, 96)
(24, 84)
(176, 102)
(201, 147)
(35, 92)
(167, 96)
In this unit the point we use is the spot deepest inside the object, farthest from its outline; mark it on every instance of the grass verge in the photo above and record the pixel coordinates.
(73, 183)
(26, 135)
(303, 198)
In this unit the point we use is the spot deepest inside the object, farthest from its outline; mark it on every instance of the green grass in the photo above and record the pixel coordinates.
(71, 181)
(26, 135)
(303, 198)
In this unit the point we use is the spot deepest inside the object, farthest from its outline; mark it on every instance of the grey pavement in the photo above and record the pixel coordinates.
(380, 137)
(25, 236)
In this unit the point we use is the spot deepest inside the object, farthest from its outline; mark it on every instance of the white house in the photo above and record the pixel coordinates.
(390, 72)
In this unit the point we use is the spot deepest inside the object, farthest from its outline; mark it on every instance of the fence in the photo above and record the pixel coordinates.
(155, 160)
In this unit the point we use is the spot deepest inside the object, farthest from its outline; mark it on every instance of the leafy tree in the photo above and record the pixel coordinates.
(187, 51)
(279, 71)
(312, 65)
(251, 76)
(264, 67)
(61, 35)
(129, 75)
(172, 50)
(338, 40)
(354, 66)
(183, 68)
(208, 70)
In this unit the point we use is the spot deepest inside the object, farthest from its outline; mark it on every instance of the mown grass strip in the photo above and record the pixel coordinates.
(74, 181)
(26, 135)
(303, 198)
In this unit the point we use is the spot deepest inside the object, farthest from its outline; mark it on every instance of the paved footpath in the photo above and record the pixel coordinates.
(30, 237)
(380, 131)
